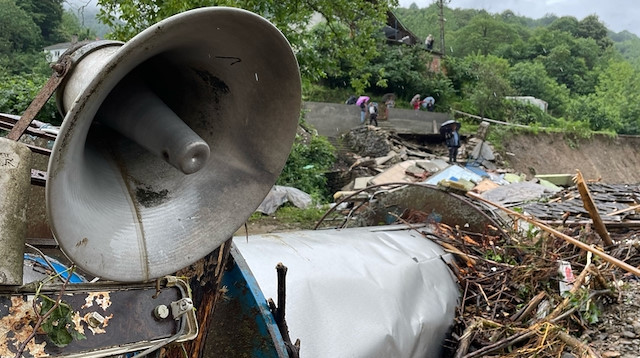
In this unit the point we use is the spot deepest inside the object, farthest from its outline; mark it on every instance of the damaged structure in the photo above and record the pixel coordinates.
(417, 258)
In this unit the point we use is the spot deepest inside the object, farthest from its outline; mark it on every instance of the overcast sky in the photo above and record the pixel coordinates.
(617, 15)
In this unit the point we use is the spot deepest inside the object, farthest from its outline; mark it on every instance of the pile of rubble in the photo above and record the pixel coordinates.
(559, 278)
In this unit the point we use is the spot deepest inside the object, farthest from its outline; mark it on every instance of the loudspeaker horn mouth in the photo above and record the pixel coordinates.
(214, 92)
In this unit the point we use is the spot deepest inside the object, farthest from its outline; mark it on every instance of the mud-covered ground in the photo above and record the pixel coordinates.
(612, 160)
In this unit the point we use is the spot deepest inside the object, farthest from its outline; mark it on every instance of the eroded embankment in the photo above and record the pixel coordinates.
(613, 160)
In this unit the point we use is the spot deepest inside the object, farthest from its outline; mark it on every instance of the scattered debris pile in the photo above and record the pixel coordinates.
(559, 278)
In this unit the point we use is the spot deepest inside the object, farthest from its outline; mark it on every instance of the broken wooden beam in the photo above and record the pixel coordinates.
(588, 203)
(606, 257)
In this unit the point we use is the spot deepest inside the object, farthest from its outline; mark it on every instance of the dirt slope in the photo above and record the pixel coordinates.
(613, 160)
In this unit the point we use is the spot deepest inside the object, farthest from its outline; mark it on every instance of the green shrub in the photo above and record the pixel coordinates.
(17, 92)
(311, 156)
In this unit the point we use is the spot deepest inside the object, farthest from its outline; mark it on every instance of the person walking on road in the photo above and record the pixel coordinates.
(373, 113)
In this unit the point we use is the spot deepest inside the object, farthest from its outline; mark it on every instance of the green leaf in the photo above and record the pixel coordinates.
(60, 337)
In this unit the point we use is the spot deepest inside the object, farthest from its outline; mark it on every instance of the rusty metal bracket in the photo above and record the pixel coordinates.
(60, 70)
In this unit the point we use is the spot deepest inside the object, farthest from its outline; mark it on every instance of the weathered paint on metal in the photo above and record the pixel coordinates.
(110, 319)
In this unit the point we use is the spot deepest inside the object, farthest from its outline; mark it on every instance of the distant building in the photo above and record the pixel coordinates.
(397, 33)
(54, 51)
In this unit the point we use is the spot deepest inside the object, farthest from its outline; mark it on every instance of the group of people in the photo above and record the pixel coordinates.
(449, 130)
(427, 103)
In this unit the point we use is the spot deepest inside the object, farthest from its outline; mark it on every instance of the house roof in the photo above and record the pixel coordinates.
(396, 31)
(59, 46)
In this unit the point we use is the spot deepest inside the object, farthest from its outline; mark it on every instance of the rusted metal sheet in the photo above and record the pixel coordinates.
(113, 320)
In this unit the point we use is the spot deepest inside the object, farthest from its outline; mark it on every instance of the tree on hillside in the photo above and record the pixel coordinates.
(615, 105)
(362, 19)
(531, 79)
(71, 26)
(591, 27)
(18, 31)
(482, 82)
(484, 34)
(567, 24)
(47, 14)
(20, 41)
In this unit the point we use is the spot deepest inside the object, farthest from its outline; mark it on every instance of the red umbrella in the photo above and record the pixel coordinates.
(362, 99)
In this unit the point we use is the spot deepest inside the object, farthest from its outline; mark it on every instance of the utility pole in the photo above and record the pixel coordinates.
(441, 4)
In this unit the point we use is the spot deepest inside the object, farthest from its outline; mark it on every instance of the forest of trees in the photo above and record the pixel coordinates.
(588, 75)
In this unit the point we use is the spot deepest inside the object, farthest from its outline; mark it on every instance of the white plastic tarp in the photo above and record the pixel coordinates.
(279, 195)
(361, 292)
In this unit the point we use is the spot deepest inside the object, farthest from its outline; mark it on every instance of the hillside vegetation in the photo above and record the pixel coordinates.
(588, 75)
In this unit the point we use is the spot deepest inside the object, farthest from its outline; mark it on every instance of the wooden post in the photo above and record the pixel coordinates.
(588, 203)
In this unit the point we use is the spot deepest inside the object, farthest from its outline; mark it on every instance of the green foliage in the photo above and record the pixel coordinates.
(292, 214)
(317, 93)
(47, 15)
(71, 26)
(401, 70)
(17, 92)
(527, 114)
(24, 64)
(18, 31)
(59, 325)
(587, 307)
(311, 156)
(529, 78)
(483, 81)
(349, 31)
(615, 105)
(483, 34)
(591, 27)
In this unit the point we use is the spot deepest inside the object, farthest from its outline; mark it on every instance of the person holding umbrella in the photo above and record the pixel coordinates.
(416, 102)
(449, 130)
(428, 103)
(362, 102)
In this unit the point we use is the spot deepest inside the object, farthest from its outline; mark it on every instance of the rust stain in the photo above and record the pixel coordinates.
(16, 327)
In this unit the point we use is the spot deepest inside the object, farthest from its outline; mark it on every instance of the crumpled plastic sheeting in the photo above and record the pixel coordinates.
(282, 194)
(380, 291)
(517, 193)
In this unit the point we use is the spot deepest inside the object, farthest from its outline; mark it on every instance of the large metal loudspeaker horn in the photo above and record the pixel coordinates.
(170, 141)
